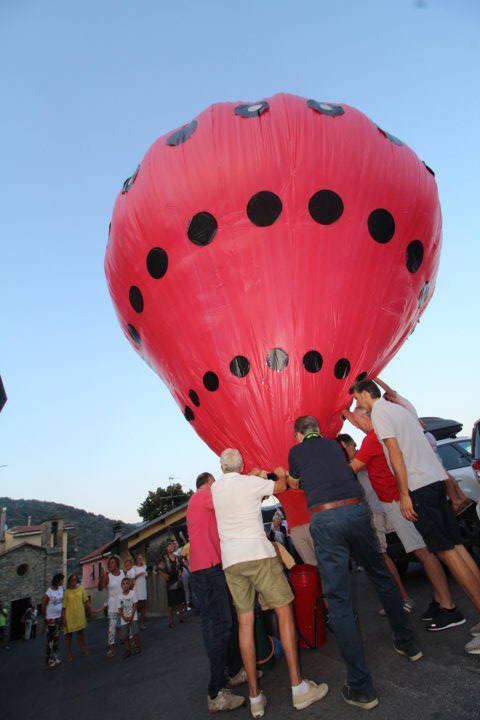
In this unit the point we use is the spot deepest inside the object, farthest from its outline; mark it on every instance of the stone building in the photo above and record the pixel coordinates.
(29, 557)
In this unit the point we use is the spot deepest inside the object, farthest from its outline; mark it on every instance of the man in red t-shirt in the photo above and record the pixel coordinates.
(372, 457)
(297, 513)
(212, 598)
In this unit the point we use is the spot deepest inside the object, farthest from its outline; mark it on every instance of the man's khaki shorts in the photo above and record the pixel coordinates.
(264, 576)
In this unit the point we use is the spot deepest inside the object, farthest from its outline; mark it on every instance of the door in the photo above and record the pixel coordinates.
(17, 610)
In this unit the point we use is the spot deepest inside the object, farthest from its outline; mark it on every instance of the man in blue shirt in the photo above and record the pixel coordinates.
(340, 527)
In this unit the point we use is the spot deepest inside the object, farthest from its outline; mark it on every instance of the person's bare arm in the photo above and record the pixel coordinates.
(386, 387)
(280, 484)
(103, 579)
(400, 472)
(357, 465)
(293, 483)
(45, 601)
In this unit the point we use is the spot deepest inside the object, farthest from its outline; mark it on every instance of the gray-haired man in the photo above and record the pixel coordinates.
(251, 565)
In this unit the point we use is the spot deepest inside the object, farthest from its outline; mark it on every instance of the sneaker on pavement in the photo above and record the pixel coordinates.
(241, 677)
(473, 647)
(225, 700)
(475, 630)
(410, 650)
(445, 619)
(367, 700)
(315, 692)
(431, 611)
(257, 709)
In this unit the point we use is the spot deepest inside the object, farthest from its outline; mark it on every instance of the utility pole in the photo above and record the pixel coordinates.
(171, 479)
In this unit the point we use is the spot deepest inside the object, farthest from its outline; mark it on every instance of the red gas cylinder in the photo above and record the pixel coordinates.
(308, 605)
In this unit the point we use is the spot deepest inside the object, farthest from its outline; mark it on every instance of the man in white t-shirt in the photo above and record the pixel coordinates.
(251, 565)
(421, 484)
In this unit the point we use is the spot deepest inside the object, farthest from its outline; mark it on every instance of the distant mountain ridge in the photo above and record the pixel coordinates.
(90, 530)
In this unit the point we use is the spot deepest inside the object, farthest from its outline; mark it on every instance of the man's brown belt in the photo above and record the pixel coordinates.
(337, 503)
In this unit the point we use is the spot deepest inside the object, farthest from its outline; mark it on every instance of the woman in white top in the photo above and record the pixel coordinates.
(52, 603)
(112, 580)
(141, 587)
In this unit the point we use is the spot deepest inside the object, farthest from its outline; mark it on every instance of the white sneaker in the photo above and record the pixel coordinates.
(225, 700)
(473, 647)
(257, 709)
(314, 693)
(475, 630)
(241, 677)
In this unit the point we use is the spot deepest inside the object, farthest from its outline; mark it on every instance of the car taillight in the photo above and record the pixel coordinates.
(476, 469)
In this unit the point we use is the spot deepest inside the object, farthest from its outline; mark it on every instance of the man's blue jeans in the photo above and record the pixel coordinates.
(219, 624)
(337, 534)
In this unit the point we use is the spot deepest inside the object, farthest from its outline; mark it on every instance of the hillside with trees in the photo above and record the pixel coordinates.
(90, 530)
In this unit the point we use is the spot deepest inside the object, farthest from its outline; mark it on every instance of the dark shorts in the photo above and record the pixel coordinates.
(436, 521)
(175, 597)
(129, 630)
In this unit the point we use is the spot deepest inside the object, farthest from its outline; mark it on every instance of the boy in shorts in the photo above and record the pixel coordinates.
(127, 610)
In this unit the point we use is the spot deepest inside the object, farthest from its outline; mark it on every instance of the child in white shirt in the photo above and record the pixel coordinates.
(127, 611)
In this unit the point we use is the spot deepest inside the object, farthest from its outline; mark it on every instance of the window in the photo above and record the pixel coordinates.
(452, 458)
(466, 446)
(22, 569)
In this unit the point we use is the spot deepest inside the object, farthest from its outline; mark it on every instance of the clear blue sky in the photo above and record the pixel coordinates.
(86, 88)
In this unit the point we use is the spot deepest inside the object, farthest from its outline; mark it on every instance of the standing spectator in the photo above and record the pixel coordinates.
(3, 625)
(33, 634)
(52, 603)
(74, 618)
(340, 527)
(212, 598)
(251, 565)
(27, 619)
(129, 571)
(127, 610)
(185, 571)
(421, 485)
(141, 573)
(170, 568)
(112, 580)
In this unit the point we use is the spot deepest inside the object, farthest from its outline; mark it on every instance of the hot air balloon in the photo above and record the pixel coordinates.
(265, 255)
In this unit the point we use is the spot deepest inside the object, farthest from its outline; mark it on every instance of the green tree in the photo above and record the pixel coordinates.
(162, 500)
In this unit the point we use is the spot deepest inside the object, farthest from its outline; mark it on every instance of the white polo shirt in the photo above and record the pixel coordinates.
(237, 501)
(392, 420)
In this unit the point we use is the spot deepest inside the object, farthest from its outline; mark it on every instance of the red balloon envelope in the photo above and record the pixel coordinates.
(265, 255)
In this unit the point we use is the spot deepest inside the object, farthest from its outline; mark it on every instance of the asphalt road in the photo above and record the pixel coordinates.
(168, 680)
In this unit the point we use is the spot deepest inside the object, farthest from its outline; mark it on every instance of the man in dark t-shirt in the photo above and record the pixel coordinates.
(340, 527)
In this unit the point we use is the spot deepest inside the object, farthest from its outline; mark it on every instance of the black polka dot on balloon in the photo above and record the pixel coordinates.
(129, 181)
(429, 168)
(157, 262)
(381, 225)
(240, 366)
(277, 359)
(189, 414)
(414, 255)
(312, 361)
(251, 109)
(392, 138)
(325, 108)
(136, 299)
(264, 208)
(423, 294)
(194, 398)
(325, 207)
(202, 228)
(342, 368)
(210, 380)
(182, 135)
(134, 334)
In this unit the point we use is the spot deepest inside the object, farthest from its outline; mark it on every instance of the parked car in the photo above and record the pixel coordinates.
(456, 454)
(475, 449)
